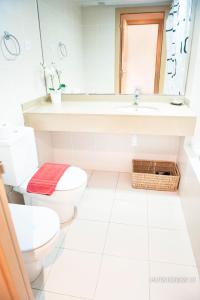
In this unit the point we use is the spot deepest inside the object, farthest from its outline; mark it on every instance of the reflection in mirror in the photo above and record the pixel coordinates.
(116, 47)
(140, 53)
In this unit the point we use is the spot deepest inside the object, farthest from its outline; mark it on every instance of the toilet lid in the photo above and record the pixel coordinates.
(72, 178)
(34, 226)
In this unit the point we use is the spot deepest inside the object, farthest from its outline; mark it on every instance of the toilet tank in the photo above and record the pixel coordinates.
(19, 155)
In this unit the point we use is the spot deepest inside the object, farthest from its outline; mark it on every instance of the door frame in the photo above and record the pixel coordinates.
(119, 12)
(14, 282)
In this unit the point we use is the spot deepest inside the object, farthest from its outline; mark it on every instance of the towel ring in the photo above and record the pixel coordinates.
(6, 37)
(63, 49)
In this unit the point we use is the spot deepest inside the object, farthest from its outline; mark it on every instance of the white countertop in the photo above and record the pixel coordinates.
(111, 116)
(113, 108)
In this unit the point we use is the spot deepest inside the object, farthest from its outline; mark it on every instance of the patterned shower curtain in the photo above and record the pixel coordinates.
(178, 38)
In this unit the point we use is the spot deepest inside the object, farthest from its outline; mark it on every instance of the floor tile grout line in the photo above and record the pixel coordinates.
(150, 261)
(129, 258)
(76, 217)
(59, 248)
(134, 225)
(89, 178)
(115, 188)
(48, 274)
(105, 241)
(137, 226)
(103, 254)
(149, 255)
(68, 295)
(64, 238)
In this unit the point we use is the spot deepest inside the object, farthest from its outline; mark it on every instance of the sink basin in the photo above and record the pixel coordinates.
(137, 108)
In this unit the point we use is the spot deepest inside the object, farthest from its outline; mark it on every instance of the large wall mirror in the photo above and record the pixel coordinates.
(116, 46)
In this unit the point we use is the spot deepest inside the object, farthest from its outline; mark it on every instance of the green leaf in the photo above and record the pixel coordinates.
(62, 85)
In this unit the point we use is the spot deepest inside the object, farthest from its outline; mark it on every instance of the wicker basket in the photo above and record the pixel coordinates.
(149, 175)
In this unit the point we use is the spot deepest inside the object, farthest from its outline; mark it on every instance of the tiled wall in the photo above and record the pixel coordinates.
(190, 185)
(61, 21)
(20, 79)
(104, 151)
(99, 59)
(190, 195)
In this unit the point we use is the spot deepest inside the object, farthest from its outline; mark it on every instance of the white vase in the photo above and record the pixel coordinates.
(56, 97)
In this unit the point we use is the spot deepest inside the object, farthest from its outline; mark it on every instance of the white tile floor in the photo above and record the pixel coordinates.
(124, 244)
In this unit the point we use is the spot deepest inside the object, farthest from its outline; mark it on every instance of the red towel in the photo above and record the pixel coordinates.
(44, 181)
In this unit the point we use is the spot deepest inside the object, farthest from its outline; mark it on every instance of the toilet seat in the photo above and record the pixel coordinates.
(66, 196)
(72, 178)
(35, 226)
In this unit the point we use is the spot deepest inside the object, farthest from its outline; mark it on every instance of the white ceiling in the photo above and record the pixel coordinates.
(122, 2)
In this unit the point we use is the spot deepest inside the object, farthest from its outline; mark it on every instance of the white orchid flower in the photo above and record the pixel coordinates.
(53, 77)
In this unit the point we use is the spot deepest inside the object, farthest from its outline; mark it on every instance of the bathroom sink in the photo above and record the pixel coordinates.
(137, 108)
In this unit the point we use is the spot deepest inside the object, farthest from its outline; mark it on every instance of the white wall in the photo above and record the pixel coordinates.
(61, 21)
(99, 49)
(20, 80)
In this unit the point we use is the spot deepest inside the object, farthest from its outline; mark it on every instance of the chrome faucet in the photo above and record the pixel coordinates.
(136, 96)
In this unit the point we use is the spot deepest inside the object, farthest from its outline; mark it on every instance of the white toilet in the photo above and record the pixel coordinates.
(37, 230)
(19, 156)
